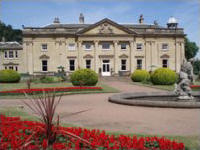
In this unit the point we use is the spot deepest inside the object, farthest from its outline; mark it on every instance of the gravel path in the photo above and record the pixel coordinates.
(131, 119)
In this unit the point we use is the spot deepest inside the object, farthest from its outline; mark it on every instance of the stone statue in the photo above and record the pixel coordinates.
(182, 87)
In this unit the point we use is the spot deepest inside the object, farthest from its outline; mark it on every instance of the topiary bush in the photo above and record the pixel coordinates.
(140, 76)
(84, 77)
(163, 76)
(9, 76)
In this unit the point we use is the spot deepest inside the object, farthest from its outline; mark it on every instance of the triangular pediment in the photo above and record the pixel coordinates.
(106, 27)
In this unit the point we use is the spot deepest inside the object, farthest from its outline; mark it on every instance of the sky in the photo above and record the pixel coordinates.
(42, 12)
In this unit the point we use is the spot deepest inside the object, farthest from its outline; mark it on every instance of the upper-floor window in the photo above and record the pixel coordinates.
(10, 54)
(88, 46)
(123, 64)
(139, 63)
(71, 65)
(5, 54)
(139, 46)
(88, 63)
(44, 47)
(164, 46)
(71, 46)
(164, 63)
(44, 65)
(106, 46)
(123, 46)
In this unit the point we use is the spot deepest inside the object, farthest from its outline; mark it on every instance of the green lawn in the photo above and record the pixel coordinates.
(22, 85)
(162, 87)
(191, 142)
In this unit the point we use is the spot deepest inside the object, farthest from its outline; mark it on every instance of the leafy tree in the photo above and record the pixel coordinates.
(196, 66)
(9, 33)
(191, 49)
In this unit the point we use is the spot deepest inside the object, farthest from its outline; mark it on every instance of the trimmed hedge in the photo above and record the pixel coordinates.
(50, 79)
(9, 76)
(164, 76)
(84, 77)
(140, 76)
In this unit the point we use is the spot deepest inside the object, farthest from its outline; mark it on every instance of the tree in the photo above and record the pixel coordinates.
(196, 66)
(191, 49)
(9, 33)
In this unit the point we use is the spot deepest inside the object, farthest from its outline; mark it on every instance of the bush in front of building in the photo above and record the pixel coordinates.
(84, 77)
(140, 76)
(50, 79)
(164, 76)
(9, 76)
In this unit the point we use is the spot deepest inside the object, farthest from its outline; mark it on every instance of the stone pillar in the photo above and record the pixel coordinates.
(30, 57)
(96, 57)
(131, 57)
(80, 57)
(178, 61)
(116, 59)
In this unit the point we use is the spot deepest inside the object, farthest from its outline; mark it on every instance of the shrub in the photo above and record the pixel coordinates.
(163, 76)
(9, 76)
(84, 77)
(140, 76)
(49, 79)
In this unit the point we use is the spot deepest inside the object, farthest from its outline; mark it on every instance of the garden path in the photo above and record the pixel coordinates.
(121, 118)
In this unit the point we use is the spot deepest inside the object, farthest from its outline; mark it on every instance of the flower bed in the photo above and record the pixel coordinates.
(195, 87)
(18, 134)
(52, 89)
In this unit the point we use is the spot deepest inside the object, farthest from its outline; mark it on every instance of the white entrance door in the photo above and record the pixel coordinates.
(106, 68)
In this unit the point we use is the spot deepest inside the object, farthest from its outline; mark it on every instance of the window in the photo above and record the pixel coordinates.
(10, 54)
(105, 46)
(6, 54)
(16, 54)
(123, 64)
(164, 46)
(16, 68)
(164, 63)
(71, 65)
(71, 46)
(139, 63)
(44, 47)
(123, 46)
(139, 46)
(5, 67)
(44, 65)
(88, 64)
(10, 67)
(87, 46)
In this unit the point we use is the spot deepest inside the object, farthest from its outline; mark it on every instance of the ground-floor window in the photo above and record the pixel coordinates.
(11, 67)
(139, 63)
(88, 63)
(16, 68)
(164, 63)
(71, 64)
(44, 65)
(123, 64)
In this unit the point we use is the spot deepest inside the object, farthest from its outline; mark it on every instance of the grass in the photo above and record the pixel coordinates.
(191, 142)
(22, 85)
(162, 87)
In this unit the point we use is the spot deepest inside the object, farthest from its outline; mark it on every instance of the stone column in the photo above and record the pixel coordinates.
(30, 57)
(178, 61)
(131, 57)
(96, 57)
(79, 52)
(116, 59)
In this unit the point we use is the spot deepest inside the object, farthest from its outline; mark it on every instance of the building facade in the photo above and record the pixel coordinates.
(11, 56)
(106, 47)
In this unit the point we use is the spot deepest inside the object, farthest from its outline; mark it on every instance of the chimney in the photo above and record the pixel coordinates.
(81, 19)
(155, 22)
(56, 20)
(141, 19)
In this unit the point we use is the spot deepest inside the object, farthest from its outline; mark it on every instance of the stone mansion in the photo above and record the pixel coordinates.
(106, 47)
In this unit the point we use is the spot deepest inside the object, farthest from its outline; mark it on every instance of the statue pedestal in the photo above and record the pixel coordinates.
(185, 97)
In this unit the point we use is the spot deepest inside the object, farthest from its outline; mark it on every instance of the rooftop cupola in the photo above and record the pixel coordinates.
(141, 19)
(81, 19)
(172, 23)
(56, 20)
